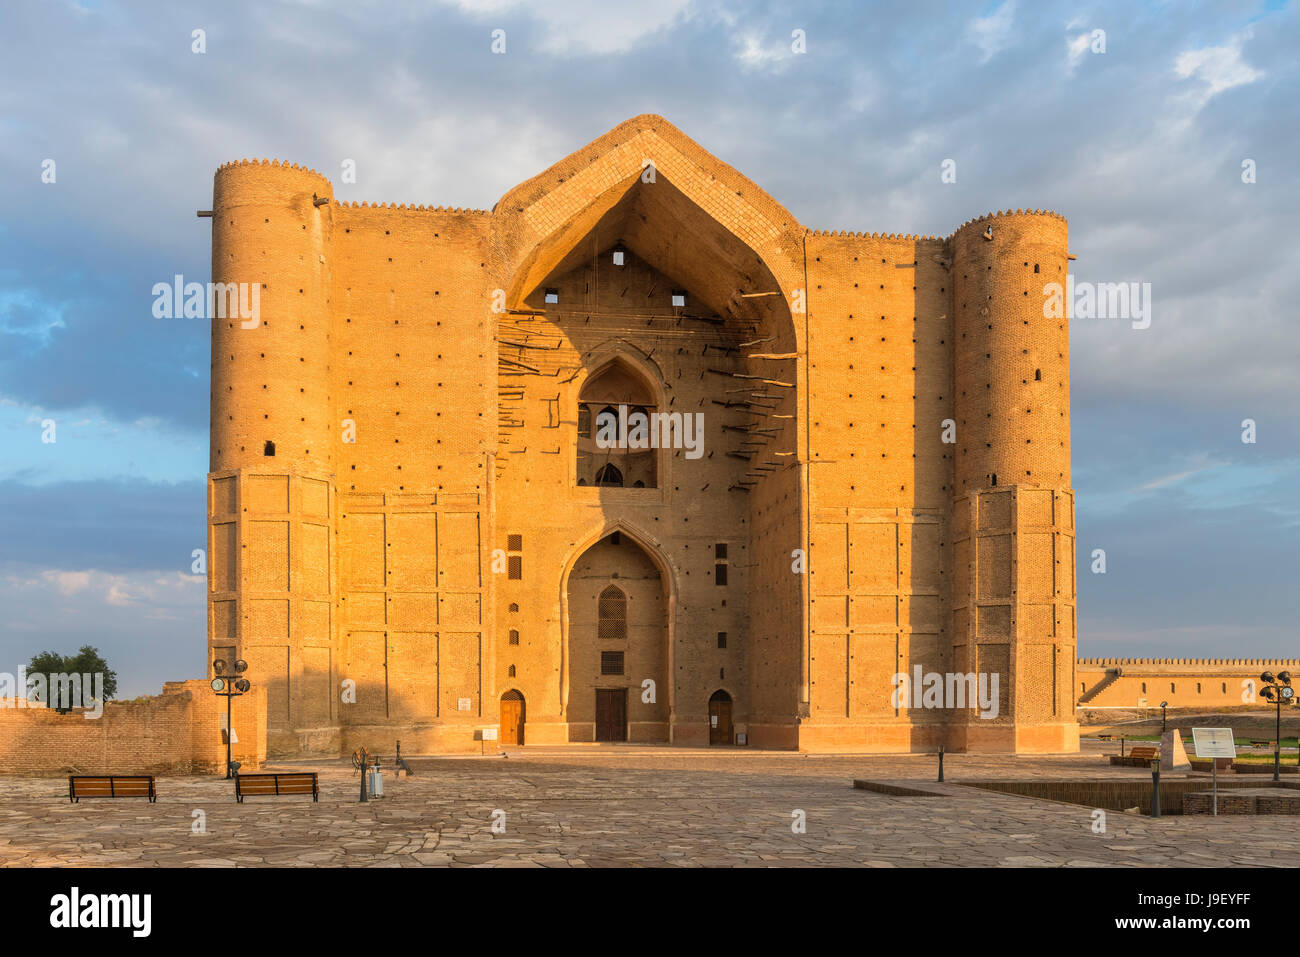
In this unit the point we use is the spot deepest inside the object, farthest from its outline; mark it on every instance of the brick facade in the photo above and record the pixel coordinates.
(429, 535)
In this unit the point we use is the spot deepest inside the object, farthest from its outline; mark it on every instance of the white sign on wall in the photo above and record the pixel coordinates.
(464, 704)
(489, 734)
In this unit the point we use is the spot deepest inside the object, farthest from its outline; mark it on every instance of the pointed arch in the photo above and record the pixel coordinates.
(540, 221)
(669, 578)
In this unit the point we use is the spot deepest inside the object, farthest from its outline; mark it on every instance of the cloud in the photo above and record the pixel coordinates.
(582, 27)
(1216, 68)
(149, 625)
(1141, 150)
(992, 33)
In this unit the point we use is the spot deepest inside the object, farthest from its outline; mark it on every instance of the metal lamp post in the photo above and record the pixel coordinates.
(229, 688)
(1278, 690)
(1163, 706)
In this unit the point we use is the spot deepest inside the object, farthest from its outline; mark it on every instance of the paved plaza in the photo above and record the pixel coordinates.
(602, 806)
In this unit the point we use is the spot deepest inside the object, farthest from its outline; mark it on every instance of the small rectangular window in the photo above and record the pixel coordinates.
(618, 257)
(719, 574)
(552, 295)
(722, 639)
(720, 550)
(514, 543)
(515, 567)
(514, 636)
(611, 662)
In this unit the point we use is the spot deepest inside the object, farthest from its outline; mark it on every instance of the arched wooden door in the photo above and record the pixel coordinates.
(720, 718)
(512, 718)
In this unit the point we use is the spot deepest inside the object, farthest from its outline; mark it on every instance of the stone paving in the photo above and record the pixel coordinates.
(601, 806)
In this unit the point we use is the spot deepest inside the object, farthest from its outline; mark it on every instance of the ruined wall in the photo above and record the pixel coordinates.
(176, 732)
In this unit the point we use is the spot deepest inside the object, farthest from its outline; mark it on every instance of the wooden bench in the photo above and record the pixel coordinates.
(111, 786)
(275, 784)
(1137, 757)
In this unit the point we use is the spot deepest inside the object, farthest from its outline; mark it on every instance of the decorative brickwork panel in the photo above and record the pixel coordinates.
(224, 619)
(830, 675)
(872, 667)
(317, 688)
(413, 550)
(364, 556)
(993, 561)
(459, 611)
(267, 493)
(225, 492)
(314, 567)
(993, 621)
(459, 670)
(413, 611)
(413, 675)
(875, 556)
(223, 563)
(1037, 566)
(268, 556)
(994, 659)
(830, 566)
(266, 618)
(366, 667)
(459, 547)
(268, 666)
(315, 498)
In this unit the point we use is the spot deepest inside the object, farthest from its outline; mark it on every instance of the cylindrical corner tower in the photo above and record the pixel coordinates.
(1013, 508)
(270, 489)
(270, 372)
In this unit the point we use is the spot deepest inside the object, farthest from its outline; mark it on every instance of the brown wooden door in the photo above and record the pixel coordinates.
(720, 718)
(512, 718)
(611, 714)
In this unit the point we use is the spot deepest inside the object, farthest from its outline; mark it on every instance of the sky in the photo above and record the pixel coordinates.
(1168, 139)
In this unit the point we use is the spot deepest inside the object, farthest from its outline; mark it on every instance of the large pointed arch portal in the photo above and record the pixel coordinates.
(642, 272)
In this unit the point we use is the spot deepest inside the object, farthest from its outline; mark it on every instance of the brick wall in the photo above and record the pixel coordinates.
(178, 732)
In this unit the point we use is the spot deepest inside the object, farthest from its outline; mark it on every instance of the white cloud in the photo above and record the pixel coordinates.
(1216, 68)
(1077, 49)
(992, 33)
(584, 26)
(67, 583)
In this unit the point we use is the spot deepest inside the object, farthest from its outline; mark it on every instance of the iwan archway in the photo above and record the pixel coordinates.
(671, 289)
(617, 601)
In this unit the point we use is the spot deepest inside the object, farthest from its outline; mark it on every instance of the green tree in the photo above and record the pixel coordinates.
(87, 661)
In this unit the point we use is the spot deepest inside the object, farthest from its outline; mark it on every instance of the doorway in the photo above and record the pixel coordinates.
(512, 718)
(720, 718)
(611, 714)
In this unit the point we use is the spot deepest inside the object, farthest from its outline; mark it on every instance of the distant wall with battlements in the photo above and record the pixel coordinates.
(1181, 682)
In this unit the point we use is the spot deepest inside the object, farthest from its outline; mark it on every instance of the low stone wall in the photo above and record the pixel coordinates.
(178, 731)
(1244, 801)
(1119, 795)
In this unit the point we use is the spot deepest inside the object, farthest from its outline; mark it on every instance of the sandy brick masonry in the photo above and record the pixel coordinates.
(178, 731)
(1182, 682)
(408, 521)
